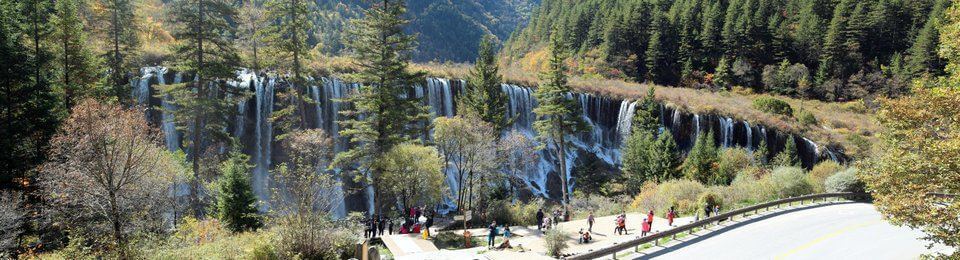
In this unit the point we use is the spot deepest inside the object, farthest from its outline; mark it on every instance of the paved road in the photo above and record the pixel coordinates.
(839, 231)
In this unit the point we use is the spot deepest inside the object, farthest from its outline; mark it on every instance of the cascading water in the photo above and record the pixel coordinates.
(264, 131)
(611, 120)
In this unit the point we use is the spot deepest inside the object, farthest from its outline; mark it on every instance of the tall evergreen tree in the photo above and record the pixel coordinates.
(382, 52)
(646, 114)
(205, 105)
(287, 35)
(557, 115)
(484, 95)
(701, 162)
(75, 71)
(26, 121)
(235, 203)
(123, 44)
(923, 53)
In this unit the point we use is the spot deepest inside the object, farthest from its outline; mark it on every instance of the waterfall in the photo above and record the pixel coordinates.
(726, 128)
(696, 126)
(611, 120)
(264, 131)
(625, 117)
(169, 128)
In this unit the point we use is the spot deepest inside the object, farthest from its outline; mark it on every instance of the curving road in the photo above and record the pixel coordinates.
(837, 231)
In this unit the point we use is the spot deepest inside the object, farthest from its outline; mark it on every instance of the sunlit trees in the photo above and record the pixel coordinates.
(702, 160)
(919, 150)
(467, 144)
(123, 45)
(304, 187)
(413, 175)
(107, 173)
(518, 156)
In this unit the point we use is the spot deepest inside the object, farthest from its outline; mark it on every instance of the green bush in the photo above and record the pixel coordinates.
(821, 172)
(789, 182)
(556, 241)
(731, 160)
(844, 181)
(807, 118)
(681, 194)
(449, 240)
(513, 213)
(773, 106)
(312, 237)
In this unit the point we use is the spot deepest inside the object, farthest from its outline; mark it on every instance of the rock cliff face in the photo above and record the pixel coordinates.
(610, 118)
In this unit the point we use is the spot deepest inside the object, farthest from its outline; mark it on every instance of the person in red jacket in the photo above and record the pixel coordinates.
(670, 215)
(650, 217)
(645, 228)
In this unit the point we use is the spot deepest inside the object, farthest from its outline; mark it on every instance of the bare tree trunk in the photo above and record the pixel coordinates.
(198, 121)
(563, 165)
(117, 226)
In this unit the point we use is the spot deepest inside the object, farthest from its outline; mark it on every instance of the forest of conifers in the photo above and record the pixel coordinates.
(823, 49)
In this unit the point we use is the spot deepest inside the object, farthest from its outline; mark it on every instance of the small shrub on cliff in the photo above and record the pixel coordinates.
(773, 106)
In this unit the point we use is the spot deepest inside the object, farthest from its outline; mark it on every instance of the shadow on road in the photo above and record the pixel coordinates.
(724, 229)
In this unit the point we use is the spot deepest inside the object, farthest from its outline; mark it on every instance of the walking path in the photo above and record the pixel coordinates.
(528, 241)
(407, 244)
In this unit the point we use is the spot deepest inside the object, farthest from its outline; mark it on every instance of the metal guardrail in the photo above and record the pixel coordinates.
(655, 238)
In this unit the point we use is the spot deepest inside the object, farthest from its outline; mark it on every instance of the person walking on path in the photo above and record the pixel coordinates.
(540, 219)
(382, 225)
(707, 210)
(390, 226)
(670, 215)
(650, 218)
(590, 220)
(491, 237)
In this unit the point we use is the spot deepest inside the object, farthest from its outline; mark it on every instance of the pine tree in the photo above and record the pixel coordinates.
(26, 121)
(645, 117)
(638, 159)
(762, 153)
(205, 105)
(701, 162)
(251, 21)
(382, 52)
(789, 156)
(484, 95)
(666, 158)
(123, 44)
(809, 33)
(235, 203)
(557, 115)
(723, 76)
(659, 56)
(287, 36)
(923, 57)
(76, 74)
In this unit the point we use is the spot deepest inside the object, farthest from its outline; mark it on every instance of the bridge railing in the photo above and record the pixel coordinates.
(655, 238)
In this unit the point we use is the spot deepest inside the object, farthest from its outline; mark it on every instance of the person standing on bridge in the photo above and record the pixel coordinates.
(539, 219)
